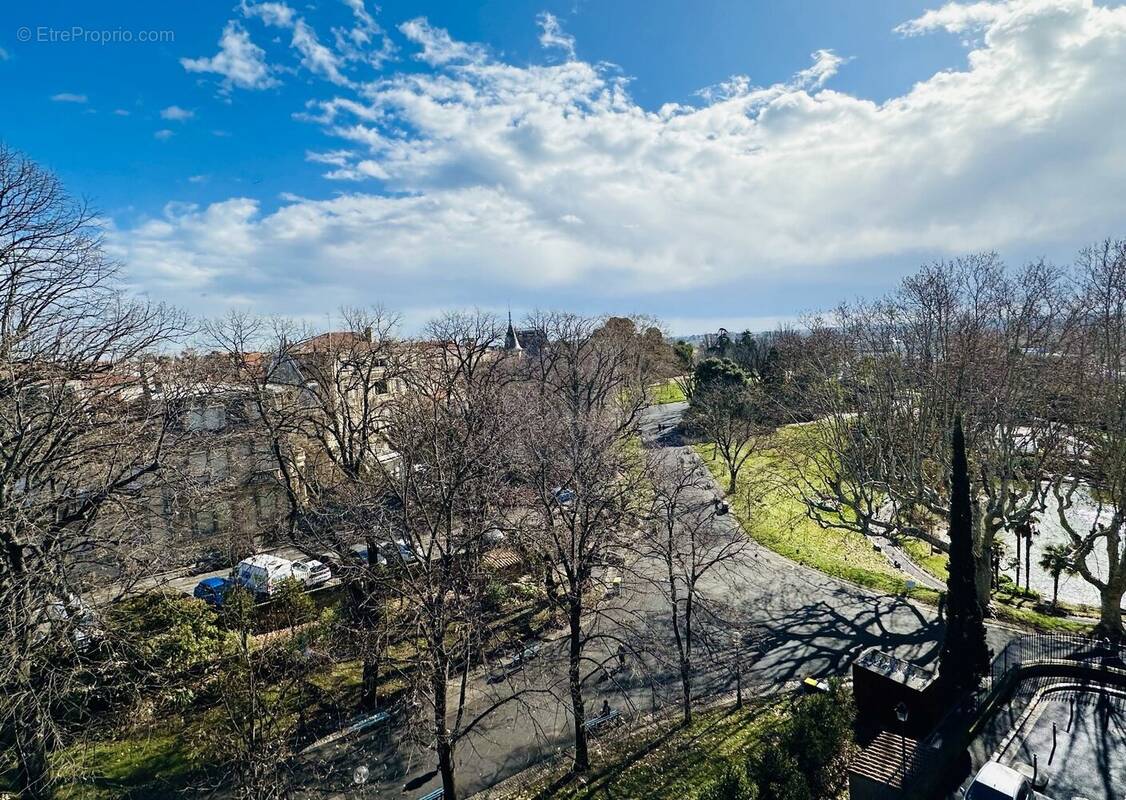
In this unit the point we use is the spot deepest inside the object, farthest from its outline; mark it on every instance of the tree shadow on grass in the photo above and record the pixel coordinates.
(692, 759)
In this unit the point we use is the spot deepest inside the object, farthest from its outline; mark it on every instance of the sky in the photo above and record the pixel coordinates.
(709, 163)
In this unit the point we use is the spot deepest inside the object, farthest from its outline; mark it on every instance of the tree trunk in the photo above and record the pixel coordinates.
(1055, 590)
(983, 536)
(1110, 610)
(442, 743)
(446, 769)
(1027, 563)
(369, 693)
(31, 753)
(582, 756)
(686, 690)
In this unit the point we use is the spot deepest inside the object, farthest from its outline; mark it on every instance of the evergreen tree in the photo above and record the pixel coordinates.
(964, 659)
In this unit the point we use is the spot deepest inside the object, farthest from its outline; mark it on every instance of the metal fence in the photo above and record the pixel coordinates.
(1056, 647)
(1024, 651)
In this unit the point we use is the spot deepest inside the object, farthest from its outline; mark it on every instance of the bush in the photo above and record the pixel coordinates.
(731, 785)
(496, 595)
(166, 632)
(806, 757)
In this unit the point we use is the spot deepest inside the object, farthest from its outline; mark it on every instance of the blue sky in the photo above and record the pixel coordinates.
(715, 162)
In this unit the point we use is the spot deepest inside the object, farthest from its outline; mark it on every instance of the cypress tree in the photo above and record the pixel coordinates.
(964, 659)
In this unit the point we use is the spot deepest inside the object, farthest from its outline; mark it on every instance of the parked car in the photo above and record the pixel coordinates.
(211, 560)
(213, 591)
(493, 537)
(612, 558)
(311, 572)
(261, 574)
(563, 496)
(359, 553)
(75, 617)
(995, 781)
(397, 552)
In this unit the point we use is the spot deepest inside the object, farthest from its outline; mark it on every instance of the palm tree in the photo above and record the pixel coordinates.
(1056, 560)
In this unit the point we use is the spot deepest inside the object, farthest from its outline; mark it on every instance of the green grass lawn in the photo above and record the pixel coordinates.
(668, 392)
(665, 762)
(920, 552)
(778, 521)
(154, 764)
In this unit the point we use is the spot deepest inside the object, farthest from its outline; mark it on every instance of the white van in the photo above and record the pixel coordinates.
(262, 573)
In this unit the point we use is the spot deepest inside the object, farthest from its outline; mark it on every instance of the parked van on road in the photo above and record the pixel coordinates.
(262, 573)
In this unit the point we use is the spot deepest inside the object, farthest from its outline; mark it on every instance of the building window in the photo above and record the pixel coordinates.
(266, 506)
(205, 523)
(206, 417)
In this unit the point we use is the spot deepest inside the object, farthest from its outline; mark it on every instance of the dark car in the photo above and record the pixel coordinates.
(213, 591)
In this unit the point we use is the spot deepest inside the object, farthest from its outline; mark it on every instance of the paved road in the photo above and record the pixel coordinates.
(817, 626)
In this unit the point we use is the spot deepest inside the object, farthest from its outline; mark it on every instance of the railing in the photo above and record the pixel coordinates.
(1026, 651)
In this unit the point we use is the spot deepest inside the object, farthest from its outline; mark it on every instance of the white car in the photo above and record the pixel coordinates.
(311, 572)
(995, 781)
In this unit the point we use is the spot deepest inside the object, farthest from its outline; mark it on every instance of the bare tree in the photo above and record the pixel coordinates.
(689, 547)
(1094, 466)
(259, 684)
(585, 390)
(964, 336)
(81, 432)
(320, 402)
(452, 429)
(724, 416)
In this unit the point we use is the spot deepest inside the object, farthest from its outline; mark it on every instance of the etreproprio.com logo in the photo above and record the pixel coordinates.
(77, 34)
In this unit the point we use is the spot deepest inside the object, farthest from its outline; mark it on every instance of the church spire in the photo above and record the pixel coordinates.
(511, 340)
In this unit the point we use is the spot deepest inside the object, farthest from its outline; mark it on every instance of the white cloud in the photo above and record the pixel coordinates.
(826, 63)
(315, 57)
(552, 34)
(533, 178)
(199, 178)
(350, 45)
(955, 18)
(176, 114)
(241, 62)
(121, 112)
(68, 97)
(438, 48)
(164, 134)
(5, 55)
(336, 158)
(277, 14)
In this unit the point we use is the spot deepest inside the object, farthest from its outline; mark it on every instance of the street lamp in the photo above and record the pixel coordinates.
(901, 713)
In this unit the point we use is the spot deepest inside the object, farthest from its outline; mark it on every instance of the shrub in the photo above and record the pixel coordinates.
(166, 632)
(806, 756)
(730, 785)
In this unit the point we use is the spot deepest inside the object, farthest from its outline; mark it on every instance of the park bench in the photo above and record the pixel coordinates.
(363, 723)
(355, 726)
(611, 716)
(514, 664)
(437, 794)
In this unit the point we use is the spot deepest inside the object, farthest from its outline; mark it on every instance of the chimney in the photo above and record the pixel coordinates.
(367, 333)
